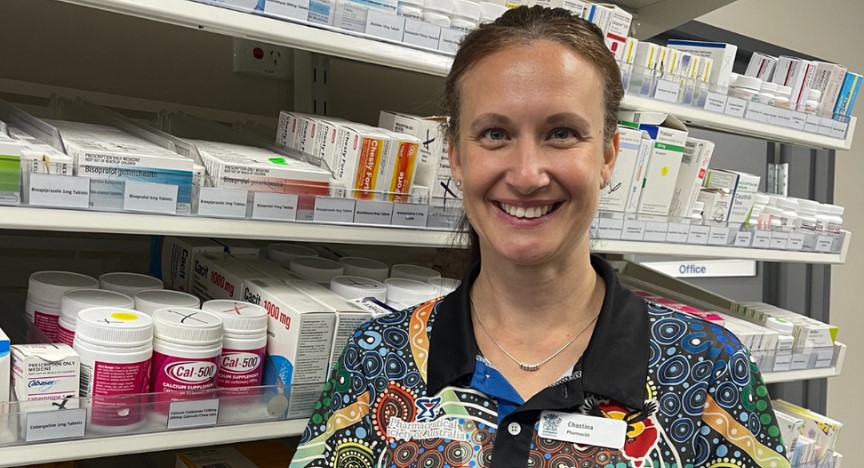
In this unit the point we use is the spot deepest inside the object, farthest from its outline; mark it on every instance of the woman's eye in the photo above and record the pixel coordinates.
(494, 134)
(562, 134)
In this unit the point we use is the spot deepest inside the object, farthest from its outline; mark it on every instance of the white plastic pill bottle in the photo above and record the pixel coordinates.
(284, 253)
(187, 344)
(152, 300)
(403, 293)
(45, 297)
(76, 300)
(410, 9)
(116, 348)
(316, 269)
(445, 286)
(129, 283)
(244, 342)
(438, 12)
(357, 287)
(365, 267)
(465, 16)
(414, 272)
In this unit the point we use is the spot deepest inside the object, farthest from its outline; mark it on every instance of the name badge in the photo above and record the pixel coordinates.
(583, 430)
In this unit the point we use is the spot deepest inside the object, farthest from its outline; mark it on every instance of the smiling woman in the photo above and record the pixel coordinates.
(540, 338)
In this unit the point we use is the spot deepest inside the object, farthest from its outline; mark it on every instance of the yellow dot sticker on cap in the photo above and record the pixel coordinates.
(124, 316)
(664, 171)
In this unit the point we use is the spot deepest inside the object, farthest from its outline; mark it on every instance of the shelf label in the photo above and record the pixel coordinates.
(838, 129)
(735, 107)
(278, 206)
(373, 212)
(333, 210)
(195, 413)
(698, 235)
(422, 34)
(812, 123)
(297, 9)
(779, 240)
(59, 190)
(796, 242)
(782, 117)
(610, 228)
(678, 233)
(385, 25)
(772, 115)
(58, 424)
(824, 357)
(655, 232)
(762, 239)
(633, 230)
(719, 235)
(222, 203)
(743, 238)
(782, 362)
(450, 39)
(799, 120)
(149, 197)
(826, 126)
(800, 360)
(756, 111)
(410, 214)
(667, 91)
(824, 244)
(716, 102)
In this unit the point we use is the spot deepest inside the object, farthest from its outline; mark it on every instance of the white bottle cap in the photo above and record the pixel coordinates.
(365, 267)
(834, 209)
(773, 211)
(316, 269)
(356, 287)
(769, 87)
(187, 326)
(445, 286)
(238, 317)
(284, 253)
(444, 6)
(48, 287)
(154, 299)
(129, 283)
(808, 204)
(815, 95)
(788, 204)
(784, 91)
(408, 292)
(748, 82)
(761, 199)
(418, 3)
(780, 325)
(76, 300)
(114, 326)
(489, 12)
(466, 9)
(733, 79)
(414, 272)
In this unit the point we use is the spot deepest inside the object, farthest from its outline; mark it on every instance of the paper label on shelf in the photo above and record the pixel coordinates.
(195, 413)
(373, 212)
(633, 230)
(150, 197)
(812, 123)
(838, 129)
(796, 242)
(222, 203)
(826, 126)
(278, 206)
(779, 240)
(782, 362)
(735, 107)
(410, 214)
(667, 91)
(610, 228)
(716, 102)
(719, 235)
(824, 244)
(824, 357)
(782, 117)
(678, 233)
(656, 232)
(450, 39)
(295, 9)
(421, 33)
(756, 112)
(60, 191)
(762, 239)
(800, 361)
(334, 210)
(799, 120)
(743, 239)
(772, 115)
(57, 424)
(698, 235)
(385, 25)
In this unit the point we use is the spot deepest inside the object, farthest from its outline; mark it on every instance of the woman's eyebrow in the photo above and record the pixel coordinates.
(570, 118)
(484, 120)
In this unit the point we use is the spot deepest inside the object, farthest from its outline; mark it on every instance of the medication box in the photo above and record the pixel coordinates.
(828, 78)
(40, 157)
(396, 174)
(615, 24)
(45, 372)
(848, 94)
(178, 255)
(626, 181)
(745, 196)
(5, 366)
(722, 55)
(432, 144)
(224, 457)
(694, 165)
(761, 66)
(220, 277)
(359, 153)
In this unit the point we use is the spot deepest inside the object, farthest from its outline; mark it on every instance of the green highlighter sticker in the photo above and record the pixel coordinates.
(280, 161)
(10, 179)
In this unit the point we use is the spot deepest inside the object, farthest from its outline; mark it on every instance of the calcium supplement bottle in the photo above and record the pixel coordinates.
(129, 283)
(316, 269)
(76, 300)
(244, 342)
(45, 297)
(414, 272)
(403, 293)
(365, 267)
(284, 253)
(155, 299)
(356, 287)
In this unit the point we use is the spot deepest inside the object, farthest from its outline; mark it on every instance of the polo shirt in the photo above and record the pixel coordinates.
(405, 394)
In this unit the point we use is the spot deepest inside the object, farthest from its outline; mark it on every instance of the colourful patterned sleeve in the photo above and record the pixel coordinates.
(341, 414)
(739, 424)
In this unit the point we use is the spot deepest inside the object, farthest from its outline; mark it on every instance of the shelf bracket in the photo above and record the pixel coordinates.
(311, 72)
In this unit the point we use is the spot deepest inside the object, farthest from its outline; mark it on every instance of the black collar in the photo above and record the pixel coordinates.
(615, 364)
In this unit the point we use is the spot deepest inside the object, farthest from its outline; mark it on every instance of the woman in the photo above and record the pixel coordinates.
(540, 358)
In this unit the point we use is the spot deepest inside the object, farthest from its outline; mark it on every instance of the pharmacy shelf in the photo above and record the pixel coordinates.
(810, 374)
(27, 454)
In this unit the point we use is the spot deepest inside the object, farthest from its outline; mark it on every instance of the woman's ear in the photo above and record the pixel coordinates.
(455, 161)
(610, 155)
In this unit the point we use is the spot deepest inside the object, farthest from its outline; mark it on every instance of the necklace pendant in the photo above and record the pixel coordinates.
(529, 367)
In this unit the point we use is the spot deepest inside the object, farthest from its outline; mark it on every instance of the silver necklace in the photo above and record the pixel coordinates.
(524, 365)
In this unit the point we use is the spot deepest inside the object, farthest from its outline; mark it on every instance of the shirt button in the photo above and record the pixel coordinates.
(514, 429)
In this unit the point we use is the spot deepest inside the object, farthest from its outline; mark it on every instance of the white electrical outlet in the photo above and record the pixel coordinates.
(262, 59)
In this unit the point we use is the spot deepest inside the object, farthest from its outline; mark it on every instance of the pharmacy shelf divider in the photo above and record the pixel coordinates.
(810, 374)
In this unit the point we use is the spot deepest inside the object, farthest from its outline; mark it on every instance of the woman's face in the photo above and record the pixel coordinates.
(531, 153)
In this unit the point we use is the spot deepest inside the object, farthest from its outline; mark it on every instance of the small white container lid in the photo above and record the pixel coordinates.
(769, 87)
(365, 267)
(76, 300)
(418, 3)
(748, 82)
(780, 325)
(409, 292)
(187, 326)
(491, 11)
(154, 299)
(761, 198)
(773, 211)
(445, 286)
(784, 91)
(733, 79)
(47, 287)
(443, 6)
(414, 272)
(238, 317)
(466, 9)
(834, 209)
(815, 95)
(808, 205)
(129, 283)
(316, 269)
(114, 326)
(788, 204)
(284, 253)
(356, 287)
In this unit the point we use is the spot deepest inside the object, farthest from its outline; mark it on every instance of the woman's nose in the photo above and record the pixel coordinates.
(528, 170)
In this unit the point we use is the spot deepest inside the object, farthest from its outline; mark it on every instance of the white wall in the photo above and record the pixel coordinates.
(833, 32)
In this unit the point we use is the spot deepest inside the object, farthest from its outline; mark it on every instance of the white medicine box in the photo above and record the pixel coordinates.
(45, 372)
(626, 181)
